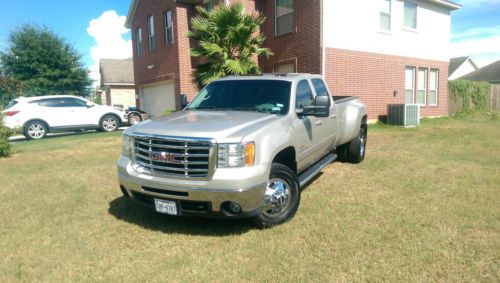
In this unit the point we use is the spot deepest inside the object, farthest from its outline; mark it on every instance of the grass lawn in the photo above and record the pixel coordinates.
(424, 206)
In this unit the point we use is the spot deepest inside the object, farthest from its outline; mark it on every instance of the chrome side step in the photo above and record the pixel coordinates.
(307, 175)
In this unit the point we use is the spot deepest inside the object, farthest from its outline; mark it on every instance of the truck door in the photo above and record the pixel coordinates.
(325, 128)
(304, 128)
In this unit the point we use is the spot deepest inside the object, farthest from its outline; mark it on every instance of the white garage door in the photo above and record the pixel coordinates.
(155, 99)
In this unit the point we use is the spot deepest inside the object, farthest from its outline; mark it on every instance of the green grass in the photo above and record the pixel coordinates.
(423, 206)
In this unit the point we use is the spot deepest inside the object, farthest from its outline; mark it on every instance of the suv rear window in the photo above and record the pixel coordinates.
(11, 104)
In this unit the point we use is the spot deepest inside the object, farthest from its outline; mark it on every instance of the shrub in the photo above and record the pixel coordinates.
(469, 96)
(5, 133)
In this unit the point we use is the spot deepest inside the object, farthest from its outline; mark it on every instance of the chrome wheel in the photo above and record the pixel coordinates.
(134, 119)
(277, 198)
(36, 131)
(362, 143)
(109, 124)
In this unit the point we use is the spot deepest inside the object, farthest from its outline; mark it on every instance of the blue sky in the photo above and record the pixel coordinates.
(475, 27)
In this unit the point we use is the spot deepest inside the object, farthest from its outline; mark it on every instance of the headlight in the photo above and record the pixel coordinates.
(236, 154)
(128, 146)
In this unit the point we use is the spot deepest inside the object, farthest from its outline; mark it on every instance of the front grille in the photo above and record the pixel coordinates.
(174, 157)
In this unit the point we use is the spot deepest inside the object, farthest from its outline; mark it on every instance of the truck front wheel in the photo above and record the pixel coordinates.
(281, 199)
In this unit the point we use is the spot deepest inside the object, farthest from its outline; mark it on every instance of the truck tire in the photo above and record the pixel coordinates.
(357, 147)
(282, 197)
(35, 130)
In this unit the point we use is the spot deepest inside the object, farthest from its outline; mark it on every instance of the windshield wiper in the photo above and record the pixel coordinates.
(247, 109)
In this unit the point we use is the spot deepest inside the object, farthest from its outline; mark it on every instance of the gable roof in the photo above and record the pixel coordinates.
(116, 71)
(447, 4)
(489, 73)
(455, 63)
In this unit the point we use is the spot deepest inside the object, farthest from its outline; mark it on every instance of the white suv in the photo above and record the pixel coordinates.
(40, 115)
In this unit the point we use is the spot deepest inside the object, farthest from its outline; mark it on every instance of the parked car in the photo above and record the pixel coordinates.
(37, 116)
(242, 148)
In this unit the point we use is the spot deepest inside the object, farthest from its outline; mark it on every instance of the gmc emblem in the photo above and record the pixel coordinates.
(164, 157)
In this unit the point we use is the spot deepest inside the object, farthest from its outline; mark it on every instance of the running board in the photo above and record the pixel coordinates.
(307, 175)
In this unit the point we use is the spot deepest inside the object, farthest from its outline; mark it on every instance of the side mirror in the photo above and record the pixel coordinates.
(183, 101)
(90, 104)
(320, 108)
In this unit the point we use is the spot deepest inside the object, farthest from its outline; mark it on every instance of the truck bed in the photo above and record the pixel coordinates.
(342, 99)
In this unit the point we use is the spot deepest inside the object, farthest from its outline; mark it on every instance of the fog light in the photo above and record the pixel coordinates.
(234, 207)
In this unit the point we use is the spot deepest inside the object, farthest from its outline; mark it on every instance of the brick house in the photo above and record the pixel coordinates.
(117, 82)
(385, 51)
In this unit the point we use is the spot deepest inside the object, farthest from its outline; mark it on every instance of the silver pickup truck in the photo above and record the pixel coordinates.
(243, 148)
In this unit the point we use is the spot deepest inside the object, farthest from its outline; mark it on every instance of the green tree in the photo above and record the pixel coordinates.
(9, 89)
(228, 40)
(44, 63)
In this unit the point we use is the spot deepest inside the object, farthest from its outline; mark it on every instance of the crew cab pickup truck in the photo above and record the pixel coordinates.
(243, 148)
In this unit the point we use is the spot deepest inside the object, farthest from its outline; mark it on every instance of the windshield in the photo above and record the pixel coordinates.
(10, 104)
(267, 96)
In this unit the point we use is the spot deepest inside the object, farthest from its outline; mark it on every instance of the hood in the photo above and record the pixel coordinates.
(227, 126)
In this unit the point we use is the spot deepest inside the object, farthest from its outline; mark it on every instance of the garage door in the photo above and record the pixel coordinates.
(155, 99)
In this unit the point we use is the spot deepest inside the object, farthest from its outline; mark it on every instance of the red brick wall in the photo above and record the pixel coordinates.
(374, 78)
(302, 46)
(163, 66)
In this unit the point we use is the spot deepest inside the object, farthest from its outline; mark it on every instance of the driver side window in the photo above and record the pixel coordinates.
(304, 95)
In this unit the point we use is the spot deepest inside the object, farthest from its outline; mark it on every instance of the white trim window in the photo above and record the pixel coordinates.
(211, 4)
(151, 32)
(433, 87)
(421, 86)
(385, 15)
(409, 85)
(284, 16)
(169, 34)
(138, 41)
(410, 15)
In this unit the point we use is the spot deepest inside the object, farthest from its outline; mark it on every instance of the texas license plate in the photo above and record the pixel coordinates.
(166, 206)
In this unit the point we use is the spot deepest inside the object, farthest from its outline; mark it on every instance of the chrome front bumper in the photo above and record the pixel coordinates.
(146, 188)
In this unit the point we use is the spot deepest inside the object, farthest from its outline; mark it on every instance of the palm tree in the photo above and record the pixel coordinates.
(227, 41)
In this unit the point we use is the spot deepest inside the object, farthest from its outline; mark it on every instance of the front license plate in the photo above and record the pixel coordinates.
(166, 206)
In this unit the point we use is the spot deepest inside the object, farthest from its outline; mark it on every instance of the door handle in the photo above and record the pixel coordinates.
(318, 123)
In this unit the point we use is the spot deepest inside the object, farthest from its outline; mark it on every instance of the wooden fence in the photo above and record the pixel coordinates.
(493, 104)
(456, 104)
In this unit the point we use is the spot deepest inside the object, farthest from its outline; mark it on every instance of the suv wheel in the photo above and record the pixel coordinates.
(109, 123)
(282, 197)
(35, 130)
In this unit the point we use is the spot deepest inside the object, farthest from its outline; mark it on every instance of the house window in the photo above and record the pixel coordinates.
(433, 87)
(304, 95)
(138, 41)
(169, 35)
(410, 15)
(285, 68)
(151, 31)
(422, 86)
(210, 4)
(385, 15)
(284, 11)
(409, 84)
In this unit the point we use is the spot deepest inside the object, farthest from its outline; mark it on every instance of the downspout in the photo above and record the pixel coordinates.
(323, 48)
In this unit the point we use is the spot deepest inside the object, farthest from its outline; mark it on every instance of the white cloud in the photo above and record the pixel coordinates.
(108, 30)
(465, 3)
(481, 43)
